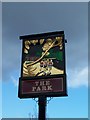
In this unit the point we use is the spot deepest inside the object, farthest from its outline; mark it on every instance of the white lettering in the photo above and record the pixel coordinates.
(33, 88)
(37, 83)
(44, 88)
(38, 89)
(47, 82)
(49, 87)
(42, 83)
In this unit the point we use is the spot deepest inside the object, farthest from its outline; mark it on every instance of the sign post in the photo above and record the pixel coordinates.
(42, 108)
(43, 69)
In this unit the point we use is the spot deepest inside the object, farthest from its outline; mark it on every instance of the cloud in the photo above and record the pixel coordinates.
(78, 78)
(10, 59)
(15, 82)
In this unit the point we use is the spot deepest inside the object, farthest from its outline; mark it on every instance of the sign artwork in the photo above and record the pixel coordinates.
(43, 57)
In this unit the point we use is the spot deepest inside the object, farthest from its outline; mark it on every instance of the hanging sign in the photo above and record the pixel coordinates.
(43, 65)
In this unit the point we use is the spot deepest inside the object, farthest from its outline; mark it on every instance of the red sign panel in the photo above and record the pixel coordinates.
(42, 86)
(49, 87)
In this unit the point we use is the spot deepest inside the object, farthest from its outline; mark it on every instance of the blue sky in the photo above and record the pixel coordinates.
(27, 18)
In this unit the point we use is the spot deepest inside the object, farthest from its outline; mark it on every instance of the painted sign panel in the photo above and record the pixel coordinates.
(43, 59)
(50, 85)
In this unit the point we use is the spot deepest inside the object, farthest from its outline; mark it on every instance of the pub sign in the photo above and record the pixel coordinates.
(43, 70)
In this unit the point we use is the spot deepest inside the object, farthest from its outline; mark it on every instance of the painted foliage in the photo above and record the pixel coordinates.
(43, 57)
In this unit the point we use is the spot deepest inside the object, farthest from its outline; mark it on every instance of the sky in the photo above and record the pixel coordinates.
(0, 60)
(33, 18)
